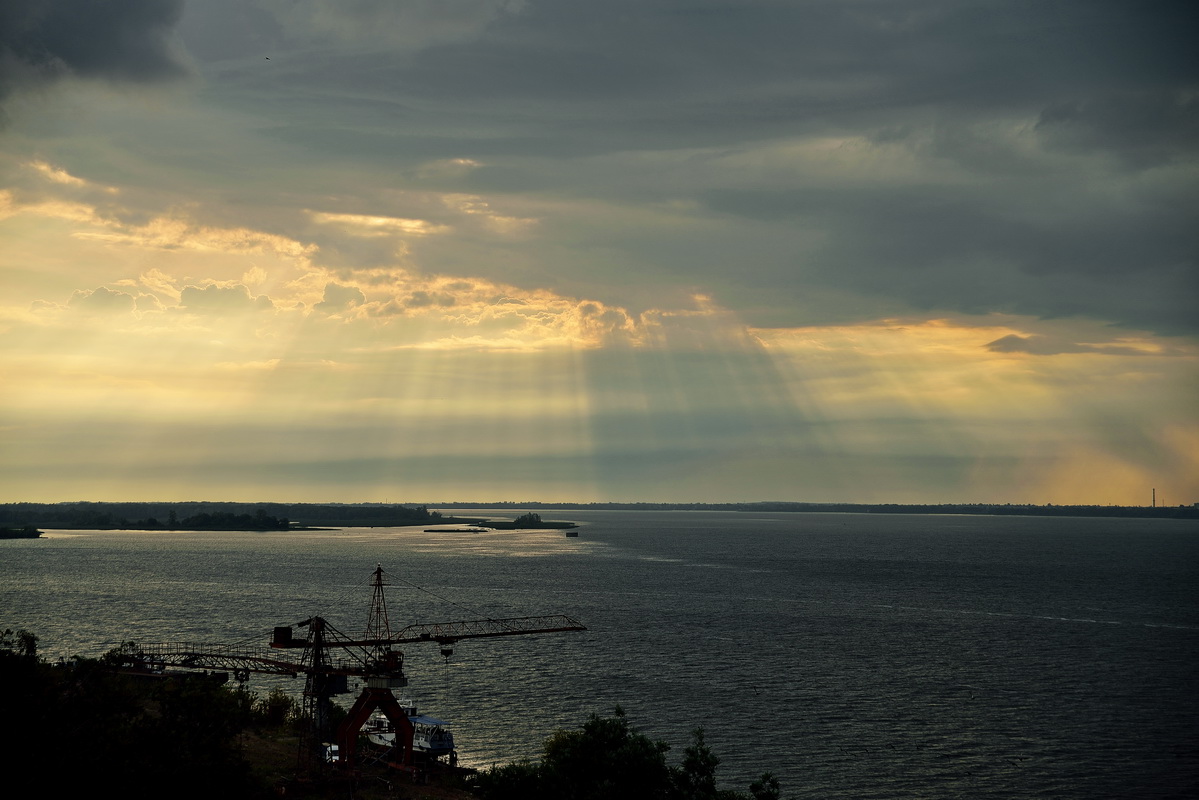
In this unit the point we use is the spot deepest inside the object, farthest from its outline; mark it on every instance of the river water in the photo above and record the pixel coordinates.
(855, 656)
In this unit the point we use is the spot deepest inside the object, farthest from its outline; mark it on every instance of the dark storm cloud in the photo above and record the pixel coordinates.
(1147, 128)
(656, 71)
(979, 249)
(1037, 138)
(569, 78)
(1013, 230)
(121, 40)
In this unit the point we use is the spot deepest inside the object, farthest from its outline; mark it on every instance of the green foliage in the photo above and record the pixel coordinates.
(22, 643)
(225, 521)
(197, 724)
(695, 777)
(117, 655)
(275, 710)
(607, 759)
(520, 780)
(73, 726)
(765, 788)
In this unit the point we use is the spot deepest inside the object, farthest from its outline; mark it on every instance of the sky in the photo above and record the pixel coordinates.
(885, 251)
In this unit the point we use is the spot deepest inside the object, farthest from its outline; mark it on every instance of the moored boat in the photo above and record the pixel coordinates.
(430, 735)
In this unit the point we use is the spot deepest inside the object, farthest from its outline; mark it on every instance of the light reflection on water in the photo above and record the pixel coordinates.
(854, 656)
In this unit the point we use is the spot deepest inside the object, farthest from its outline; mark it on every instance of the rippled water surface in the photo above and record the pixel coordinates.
(855, 656)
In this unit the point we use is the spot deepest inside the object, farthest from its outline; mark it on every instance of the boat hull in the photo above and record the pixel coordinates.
(429, 734)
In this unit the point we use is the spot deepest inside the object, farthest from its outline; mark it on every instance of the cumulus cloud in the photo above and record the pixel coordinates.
(101, 301)
(338, 297)
(214, 299)
(148, 302)
(42, 41)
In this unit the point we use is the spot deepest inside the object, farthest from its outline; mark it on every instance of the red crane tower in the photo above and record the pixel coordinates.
(328, 658)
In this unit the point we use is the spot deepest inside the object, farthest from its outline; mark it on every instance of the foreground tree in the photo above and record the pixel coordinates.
(607, 759)
(765, 788)
(76, 725)
(695, 777)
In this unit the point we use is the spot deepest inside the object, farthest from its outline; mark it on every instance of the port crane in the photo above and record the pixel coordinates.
(328, 658)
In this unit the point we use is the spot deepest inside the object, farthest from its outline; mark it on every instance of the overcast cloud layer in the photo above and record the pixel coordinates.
(668, 250)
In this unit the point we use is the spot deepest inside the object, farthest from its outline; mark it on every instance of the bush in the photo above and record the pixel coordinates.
(607, 758)
(275, 710)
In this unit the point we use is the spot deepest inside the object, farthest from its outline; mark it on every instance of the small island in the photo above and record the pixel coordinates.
(28, 532)
(528, 521)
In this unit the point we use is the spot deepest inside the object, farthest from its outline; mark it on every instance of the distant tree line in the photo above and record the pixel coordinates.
(168, 516)
(99, 517)
(998, 509)
(208, 516)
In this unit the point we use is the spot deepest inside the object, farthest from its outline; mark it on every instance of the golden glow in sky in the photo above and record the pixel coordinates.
(373, 268)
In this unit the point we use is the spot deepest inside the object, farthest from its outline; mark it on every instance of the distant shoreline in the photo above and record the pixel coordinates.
(213, 516)
(259, 517)
(981, 509)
